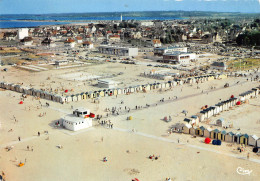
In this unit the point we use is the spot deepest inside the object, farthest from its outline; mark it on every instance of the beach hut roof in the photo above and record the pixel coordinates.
(194, 116)
(231, 133)
(221, 119)
(82, 93)
(209, 129)
(216, 130)
(238, 134)
(245, 135)
(223, 132)
(202, 128)
(255, 137)
(187, 120)
(188, 126)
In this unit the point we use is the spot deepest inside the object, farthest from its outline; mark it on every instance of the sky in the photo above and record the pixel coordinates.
(84, 6)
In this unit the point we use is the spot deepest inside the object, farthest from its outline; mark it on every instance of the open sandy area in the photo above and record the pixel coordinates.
(128, 145)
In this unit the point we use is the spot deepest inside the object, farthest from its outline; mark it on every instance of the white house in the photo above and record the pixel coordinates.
(27, 41)
(69, 43)
(80, 119)
(79, 39)
(88, 44)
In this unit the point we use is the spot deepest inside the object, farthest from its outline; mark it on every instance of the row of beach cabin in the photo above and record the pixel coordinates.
(133, 89)
(222, 106)
(251, 140)
(31, 91)
(103, 93)
(190, 128)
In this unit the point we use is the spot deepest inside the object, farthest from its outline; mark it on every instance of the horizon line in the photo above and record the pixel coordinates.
(133, 11)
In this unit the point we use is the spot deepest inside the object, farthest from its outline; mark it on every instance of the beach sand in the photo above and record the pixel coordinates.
(127, 151)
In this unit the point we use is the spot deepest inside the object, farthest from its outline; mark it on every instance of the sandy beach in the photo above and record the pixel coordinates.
(128, 145)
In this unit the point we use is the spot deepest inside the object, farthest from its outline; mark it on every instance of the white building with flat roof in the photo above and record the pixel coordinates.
(161, 51)
(104, 83)
(179, 58)
(119, 51)
(80, 119)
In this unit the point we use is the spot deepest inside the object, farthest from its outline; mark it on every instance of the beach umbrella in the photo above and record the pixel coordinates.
(207, 140)
(21, 102)
(66, 91)
(238, 103)
(232, 96)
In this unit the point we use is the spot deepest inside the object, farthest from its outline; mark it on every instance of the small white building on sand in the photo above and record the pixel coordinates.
(104, 83)
(80, 119)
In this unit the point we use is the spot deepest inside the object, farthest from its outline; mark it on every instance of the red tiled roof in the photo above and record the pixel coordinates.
(69, 40)
(87, 42)
(79, 38)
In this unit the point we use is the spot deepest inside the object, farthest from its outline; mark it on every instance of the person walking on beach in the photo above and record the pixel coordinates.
(19, 138)
(28, 147)
(32, 149)
(39, 134)
(248, 155)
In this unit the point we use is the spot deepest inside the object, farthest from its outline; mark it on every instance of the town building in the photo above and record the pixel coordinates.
(88, 44)
(69, 43)
(27, 41)
(48, 42)
(162, 51)
(22, 33)
(157, 43)
(119, 51)
(218, 66)
(179, 58)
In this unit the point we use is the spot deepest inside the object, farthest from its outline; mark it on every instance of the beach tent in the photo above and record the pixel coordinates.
(218, 142)
(255, 150)
(238, 103)
(207, 140)
(66, 91)
(21, 102)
